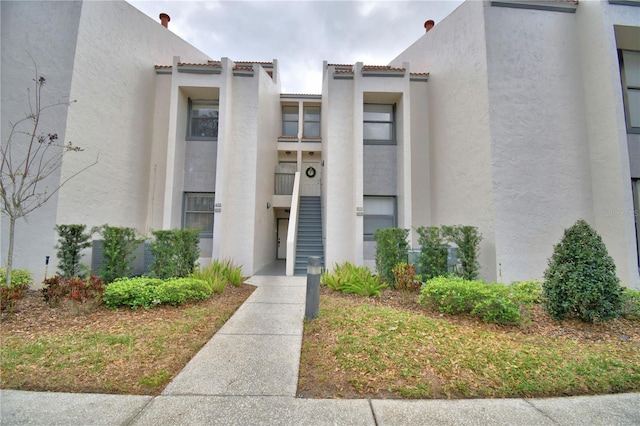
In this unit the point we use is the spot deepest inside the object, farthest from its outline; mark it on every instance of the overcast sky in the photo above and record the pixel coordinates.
(300, 34)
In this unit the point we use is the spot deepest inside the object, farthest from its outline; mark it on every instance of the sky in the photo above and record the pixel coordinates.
(300, 34)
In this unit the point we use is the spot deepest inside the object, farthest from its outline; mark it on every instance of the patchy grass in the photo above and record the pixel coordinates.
(107, 351)
(386, 349)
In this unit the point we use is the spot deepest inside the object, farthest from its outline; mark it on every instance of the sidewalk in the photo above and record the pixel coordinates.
(247, 375)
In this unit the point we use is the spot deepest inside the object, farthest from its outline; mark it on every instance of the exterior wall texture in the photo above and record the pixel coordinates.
(454, 53)
(28, 35)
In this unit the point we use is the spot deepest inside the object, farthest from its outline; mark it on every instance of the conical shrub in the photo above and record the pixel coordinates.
(581, 278)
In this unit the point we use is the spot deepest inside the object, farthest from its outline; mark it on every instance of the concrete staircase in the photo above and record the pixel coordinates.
(309, 233)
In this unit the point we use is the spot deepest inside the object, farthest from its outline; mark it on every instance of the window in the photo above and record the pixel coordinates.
(198, 212)
(630, 66)
(311, 122)
(289, 121)
(379, 212)
(203, 120)
(378, 125)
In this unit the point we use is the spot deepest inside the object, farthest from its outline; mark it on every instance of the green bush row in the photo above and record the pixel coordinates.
(392, 248)
(174, 251)
(493, 302)
(147, 292)
(349, 278)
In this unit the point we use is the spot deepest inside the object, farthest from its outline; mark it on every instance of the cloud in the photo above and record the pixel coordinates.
(300, 34)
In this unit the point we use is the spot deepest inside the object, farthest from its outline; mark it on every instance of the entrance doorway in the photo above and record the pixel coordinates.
(283, 229)
(310, 185)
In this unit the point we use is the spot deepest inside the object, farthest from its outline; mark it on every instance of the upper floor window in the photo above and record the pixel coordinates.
(311, 122)
(630, 66)
(203, 120)
(289, 121)
(378, 125)
(198, 212)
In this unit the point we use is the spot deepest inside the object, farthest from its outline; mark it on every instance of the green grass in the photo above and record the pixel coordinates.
(417, 356)
(138, 354)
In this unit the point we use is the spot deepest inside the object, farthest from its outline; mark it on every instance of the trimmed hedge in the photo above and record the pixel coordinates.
(493, 302)
(148, 292)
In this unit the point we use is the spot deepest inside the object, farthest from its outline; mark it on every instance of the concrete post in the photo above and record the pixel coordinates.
(314, 270)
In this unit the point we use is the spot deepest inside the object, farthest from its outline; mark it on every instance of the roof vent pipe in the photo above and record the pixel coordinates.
(429, 24)
(164, 20)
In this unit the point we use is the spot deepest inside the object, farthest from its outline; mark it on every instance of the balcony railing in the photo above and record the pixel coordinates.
(284, 183)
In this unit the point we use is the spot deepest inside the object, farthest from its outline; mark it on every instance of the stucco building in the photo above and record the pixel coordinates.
(518, 117)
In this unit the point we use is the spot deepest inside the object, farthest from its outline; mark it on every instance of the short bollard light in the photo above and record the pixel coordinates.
(314, 270)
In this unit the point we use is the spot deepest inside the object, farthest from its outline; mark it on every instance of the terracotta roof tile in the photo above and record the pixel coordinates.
(380, 68)
(243, 68)
(210, 64)
(253, 62)
(287, 137)
(163, 67)
(419, 73)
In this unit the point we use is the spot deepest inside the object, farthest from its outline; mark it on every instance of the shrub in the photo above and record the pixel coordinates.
(20, 282)
(84, 294)
(147, 292)
(391, 249)
(527, 292)
(349, 278)
(405, 277)
(118, 248)
(72, 240)
(454, 295)
(467, 238)
(433, 252)
(631, 304)
(581, 278)
(175, 252)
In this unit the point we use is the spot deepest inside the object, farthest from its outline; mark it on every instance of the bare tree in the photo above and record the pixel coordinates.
(29, 156)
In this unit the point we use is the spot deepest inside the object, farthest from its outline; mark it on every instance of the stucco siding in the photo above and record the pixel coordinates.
(340, 203)
(461, 183)
(380, 170)
(420, 159)
(269, 128)
(200, 166)
(540, 156)
(606, 131)
(28, 35)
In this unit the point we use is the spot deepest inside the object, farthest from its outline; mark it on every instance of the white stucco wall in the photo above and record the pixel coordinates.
(420, 158)
(269, 128)
(461, 185)
(539, 148)
(28, 35)
(114, 83)
(606, 131)
(339, 196)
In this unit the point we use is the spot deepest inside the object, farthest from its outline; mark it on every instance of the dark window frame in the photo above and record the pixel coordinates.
(394, 217)
(392, 123)
(190, 128)
(626, 88)
(305, 121)
(186, 212)
(284, 120)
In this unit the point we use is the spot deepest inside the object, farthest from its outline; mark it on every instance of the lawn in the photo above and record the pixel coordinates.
(122, 351)
(390, 347)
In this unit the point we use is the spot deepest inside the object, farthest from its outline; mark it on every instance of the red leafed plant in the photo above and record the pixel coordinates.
(88, 292)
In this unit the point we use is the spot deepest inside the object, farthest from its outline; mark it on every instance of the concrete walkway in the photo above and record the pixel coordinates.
(247, 375)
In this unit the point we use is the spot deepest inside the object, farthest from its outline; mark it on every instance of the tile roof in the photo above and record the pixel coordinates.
(243, 68)
(380, 68)
(208, 64)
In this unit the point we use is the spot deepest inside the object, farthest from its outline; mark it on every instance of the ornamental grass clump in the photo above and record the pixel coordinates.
(349, 278)
(581, 279)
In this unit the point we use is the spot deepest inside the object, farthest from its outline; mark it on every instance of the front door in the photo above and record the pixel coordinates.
(310, 186)
(283, 228)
